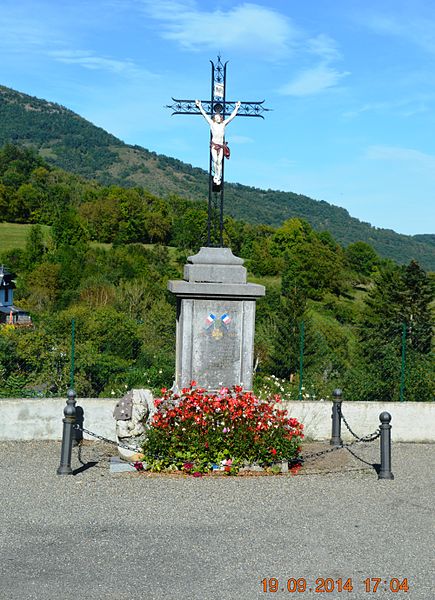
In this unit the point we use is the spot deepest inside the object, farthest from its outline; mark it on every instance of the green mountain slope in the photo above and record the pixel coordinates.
(72, 143)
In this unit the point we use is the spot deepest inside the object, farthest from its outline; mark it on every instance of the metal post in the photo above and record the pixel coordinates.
(336, 418)
(71, 384)
(402, 373)
(67, 434)
(218, 103)
(301, 357)
(385, 427)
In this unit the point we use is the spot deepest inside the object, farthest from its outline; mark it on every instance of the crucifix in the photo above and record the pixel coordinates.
(215, 111)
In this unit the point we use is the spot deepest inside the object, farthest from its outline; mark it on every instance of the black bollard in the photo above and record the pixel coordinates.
(336, 418)
(385, 427)
(67, 434)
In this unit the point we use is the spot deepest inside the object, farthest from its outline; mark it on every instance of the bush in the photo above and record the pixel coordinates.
(199, 431)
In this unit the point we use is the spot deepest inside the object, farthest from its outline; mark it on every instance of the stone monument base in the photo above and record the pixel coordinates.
(215, 321)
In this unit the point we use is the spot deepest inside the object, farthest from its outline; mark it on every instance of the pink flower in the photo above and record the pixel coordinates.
(197, 474)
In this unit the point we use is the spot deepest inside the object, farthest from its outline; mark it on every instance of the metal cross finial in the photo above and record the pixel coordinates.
(218, 104)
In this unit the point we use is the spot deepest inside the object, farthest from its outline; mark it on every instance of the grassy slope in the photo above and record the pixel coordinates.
(78, 146)
(13, 235)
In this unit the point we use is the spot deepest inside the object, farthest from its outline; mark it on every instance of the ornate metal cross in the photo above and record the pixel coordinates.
(217, 104)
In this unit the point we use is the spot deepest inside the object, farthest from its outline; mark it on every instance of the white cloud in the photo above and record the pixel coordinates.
(245, 27)
(323, 75)
(407, 107)
(412, 157)
(89, 60)
(313, 81)
(24, 33)
(325, 47)
(418, 30)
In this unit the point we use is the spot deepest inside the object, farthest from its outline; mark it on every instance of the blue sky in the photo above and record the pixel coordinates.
(351, 84)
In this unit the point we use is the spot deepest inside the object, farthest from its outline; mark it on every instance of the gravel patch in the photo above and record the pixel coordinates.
(135, 537)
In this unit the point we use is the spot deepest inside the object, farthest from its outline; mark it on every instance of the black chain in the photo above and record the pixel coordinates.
(367, 438)
(305, 457)
(300, 459)
(104, 439)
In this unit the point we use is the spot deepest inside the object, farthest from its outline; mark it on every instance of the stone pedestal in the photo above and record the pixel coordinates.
(215, 321)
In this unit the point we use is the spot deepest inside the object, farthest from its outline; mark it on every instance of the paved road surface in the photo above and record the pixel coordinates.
(132, 537)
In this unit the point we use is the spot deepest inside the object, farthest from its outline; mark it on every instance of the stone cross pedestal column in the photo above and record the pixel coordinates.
(215, 321)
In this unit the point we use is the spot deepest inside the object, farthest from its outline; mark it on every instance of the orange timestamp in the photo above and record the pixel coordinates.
(327, 585)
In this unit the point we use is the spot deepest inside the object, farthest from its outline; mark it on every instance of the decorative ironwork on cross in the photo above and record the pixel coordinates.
(217, 105)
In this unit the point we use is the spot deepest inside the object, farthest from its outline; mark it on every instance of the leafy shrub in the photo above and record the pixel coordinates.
(199, 430)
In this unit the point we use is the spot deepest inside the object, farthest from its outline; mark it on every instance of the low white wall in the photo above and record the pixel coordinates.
(410, 421)
(41, 418)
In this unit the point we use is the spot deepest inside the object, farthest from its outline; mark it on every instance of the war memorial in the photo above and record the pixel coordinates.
(215, 303)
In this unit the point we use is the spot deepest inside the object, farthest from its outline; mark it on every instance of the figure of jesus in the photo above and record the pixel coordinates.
(217, 128)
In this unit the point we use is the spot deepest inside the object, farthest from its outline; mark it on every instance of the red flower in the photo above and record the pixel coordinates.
(197, 474)
(138, 466)
(273, 451)
(294, 470)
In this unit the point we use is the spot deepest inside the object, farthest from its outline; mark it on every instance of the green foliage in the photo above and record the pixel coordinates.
(35, 247)
(284, 358)
(395, 338)
(308, 276)
(190, 229)
(199, 430)
(362, 258)
(68, 141)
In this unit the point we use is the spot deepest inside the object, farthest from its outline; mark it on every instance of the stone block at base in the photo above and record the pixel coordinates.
(215, 321)
(117, 465)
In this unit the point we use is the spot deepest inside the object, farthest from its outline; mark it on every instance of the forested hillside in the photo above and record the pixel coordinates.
(67, 140)
(102, 256)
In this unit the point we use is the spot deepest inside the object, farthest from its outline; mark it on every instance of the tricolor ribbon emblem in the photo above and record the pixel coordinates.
(211, 319)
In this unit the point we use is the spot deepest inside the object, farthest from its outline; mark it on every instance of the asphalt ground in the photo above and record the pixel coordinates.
(130, 536)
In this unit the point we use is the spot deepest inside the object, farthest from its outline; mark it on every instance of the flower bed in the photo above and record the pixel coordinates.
(199, 432)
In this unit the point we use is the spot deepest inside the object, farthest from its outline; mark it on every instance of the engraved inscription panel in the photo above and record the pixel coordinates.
(217, 338)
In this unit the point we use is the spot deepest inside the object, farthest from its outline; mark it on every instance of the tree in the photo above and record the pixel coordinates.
(190, 229)
(291, 313)
(311, 261)
(362, 258)
(35, 247)
(68, 230)
(395, 333)
(417, 299)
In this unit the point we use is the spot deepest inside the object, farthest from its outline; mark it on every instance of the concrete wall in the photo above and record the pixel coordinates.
(410, 421)
(41, 419)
